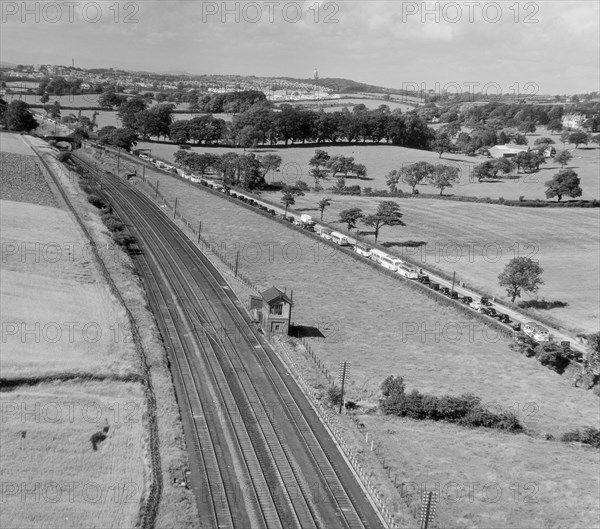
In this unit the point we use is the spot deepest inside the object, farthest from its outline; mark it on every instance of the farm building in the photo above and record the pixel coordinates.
(506, 151)
(273, 310)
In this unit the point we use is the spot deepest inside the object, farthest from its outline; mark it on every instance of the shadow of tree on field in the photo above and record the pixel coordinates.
(404, 244)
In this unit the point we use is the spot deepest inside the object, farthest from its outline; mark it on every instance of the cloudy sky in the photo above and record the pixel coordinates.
(543, 46)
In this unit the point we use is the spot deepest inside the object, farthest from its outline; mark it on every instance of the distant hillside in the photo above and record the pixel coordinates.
(344, 85)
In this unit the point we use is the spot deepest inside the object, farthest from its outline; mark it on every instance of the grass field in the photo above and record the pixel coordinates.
(57, 314)
(484, 479)
(364, 318)
(51, 476)
(477, 240)
(381, 159)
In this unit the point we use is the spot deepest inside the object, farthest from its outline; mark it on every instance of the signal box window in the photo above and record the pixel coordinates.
(277, 310)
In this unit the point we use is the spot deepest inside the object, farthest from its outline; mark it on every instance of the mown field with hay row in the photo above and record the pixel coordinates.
(75, 439)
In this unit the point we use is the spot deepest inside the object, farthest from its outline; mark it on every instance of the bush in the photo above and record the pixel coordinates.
(112, 222)
(334, 395)
(95, 200)
(589, 436)
(63, 156)
(392, 386)
(301, 185)
(554, 357)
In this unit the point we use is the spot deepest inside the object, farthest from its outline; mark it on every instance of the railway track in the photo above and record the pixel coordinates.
(259, 456)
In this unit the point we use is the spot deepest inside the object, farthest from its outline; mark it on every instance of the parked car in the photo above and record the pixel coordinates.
(503, 318)
(492, 311)
(516, 325)
(434, 286)
(272, 212)
(486, 302)
(423, 278)
(445, 291)
(475, 305)
(467, 300)
(453, 295)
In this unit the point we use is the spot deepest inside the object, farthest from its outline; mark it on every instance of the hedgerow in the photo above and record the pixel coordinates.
(465, 410)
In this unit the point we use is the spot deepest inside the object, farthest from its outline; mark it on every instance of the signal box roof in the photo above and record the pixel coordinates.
(273, 295)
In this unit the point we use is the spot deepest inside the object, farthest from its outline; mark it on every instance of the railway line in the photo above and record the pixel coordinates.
(259, 456)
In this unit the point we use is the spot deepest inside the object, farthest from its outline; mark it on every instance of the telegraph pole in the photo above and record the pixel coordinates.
(428, 503)
(344, 368)
(453, 281)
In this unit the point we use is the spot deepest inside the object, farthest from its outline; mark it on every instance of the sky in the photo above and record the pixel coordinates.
(545, 47)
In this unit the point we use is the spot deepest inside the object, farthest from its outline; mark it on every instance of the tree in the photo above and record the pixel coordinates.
(392, 179)
(179, 131)
(320, 159)
(351, 216)
(443, 176)
(324, 203)
(565, 136)
(122, 138)
(416, 173)
(487, 170)
(504, 165)
(521, 274)
(563, 157)
(388, 214)
(543, 141)
(555, 125)
(287, 200)
(565, 182)
(110, 99)
(578, 138)
(441, 143)
(45, 98)
(55, 110)
(359, 170)
(318, 175)
(17, 117)
(269, 162)
(527, 127)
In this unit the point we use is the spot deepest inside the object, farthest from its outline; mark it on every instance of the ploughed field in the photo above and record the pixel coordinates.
(381, 327)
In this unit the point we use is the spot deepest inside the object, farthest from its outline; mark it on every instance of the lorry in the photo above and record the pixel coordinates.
(306, 222)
